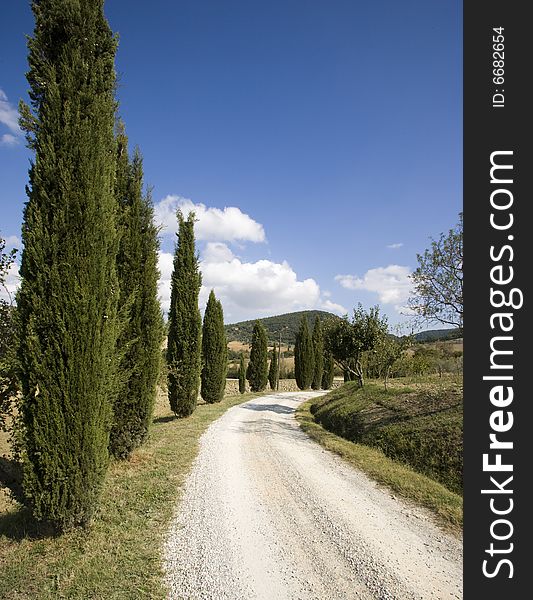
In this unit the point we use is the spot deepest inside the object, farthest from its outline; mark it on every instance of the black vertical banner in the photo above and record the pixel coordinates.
(498, 194)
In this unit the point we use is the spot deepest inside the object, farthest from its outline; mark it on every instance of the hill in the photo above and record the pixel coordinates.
(286, 324)
(434, 335)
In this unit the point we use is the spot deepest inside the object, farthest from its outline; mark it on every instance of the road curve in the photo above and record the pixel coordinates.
(267, 514)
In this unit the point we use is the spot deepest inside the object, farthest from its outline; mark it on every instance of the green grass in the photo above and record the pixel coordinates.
(420, 423)
(119, 557)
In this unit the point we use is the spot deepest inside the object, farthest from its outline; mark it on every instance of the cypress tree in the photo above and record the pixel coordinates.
(141, 336)
(69, 291)
(184, 323)
(257, 371)
(242, 375)
(273, 372)
(214, 352)
(329, 371)
(318, 351)
(303, 356)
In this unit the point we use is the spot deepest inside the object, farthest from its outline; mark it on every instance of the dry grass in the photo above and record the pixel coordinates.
(119, 556)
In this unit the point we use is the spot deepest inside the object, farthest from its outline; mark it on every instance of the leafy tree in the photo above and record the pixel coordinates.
(185, 323)
(347, 339)
(329, 370)
(8, 374)
(67, 302)
(318, 350)
(438, 280)
(142, 333)
(304, 358)
(242, 375)
(214, 352)
(273, 372)
(389, 349)
(257, 372)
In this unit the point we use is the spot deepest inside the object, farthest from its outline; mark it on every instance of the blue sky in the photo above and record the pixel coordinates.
(320, 142)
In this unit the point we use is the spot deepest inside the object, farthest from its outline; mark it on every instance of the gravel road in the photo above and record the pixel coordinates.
(268, 514)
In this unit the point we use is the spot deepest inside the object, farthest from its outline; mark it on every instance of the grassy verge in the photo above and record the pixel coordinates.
(119, 556)
(446, 505)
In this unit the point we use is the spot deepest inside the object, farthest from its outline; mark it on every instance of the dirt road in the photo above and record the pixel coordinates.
(268, 514)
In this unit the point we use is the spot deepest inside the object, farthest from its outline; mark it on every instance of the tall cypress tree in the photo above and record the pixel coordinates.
(257, 371)
(273, 371)
(318, 352)
(303, 356)
(69, 290)
(329, 371)
(242, 375)
(214, 352)
(141, 335)
(184, 323)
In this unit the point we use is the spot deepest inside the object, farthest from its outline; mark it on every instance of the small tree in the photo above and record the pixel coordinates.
(389, 350)
(318, 351)
(273, 372)
(242, 374)
(329, 370)
(257, 371)
(304, 358)
(214, 352)
(185, 323)
(347, 339)
(438, 280)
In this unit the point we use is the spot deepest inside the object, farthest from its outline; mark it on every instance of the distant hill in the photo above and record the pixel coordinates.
(434, 335)
(287, 324)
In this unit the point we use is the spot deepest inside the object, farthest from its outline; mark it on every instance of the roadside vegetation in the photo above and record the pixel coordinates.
(408, 437)
(119, 556)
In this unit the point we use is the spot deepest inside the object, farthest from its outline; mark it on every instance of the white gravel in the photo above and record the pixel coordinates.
(268, 514)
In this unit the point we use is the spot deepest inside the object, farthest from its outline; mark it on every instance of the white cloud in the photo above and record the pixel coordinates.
(12, 241)
(248, 289)
(224, 225)
(9, 117)
(11, 284)
(8, 140)
(392, 284)
(395, 246)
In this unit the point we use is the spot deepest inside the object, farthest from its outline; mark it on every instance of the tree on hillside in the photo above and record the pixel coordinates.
(438, 280)
(214, 352)
(329, 370)
(389, 349)
(184, 323)
(318, 351)
(304, 358)
(257, 372)
(242, 374)
(8, 374)
(141, 333)
(273, 372)
(67, 302)
(347, 339)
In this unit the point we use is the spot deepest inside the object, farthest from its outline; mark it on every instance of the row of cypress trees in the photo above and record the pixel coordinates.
(313, 365)
(89, 321)
(196, 352)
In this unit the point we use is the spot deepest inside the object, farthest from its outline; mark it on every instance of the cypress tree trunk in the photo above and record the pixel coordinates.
(242, 375)
(140, 340)
(185, 323)
(329, 371)
(69, 290)
(257, 371)
(214, 352)
(304, 360)
(273, 372)
(318, 352)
